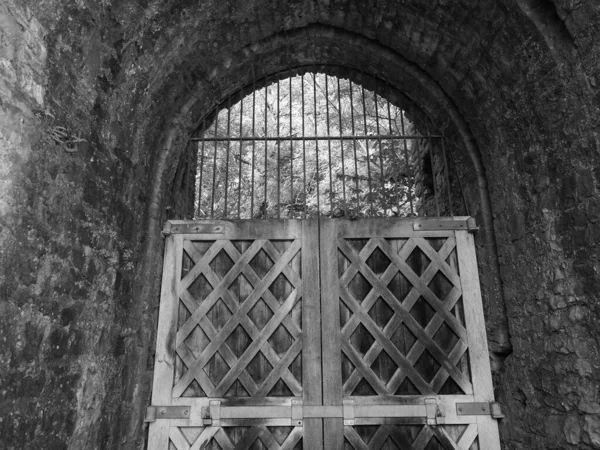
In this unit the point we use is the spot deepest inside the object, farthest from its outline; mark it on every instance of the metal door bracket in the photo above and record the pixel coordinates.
(214, 410)
(167, 412)
(479, 409)
(472, 225)
(348, 411)
(446, 223)
(191, 227)
(434, 415)
(297, 413)
(439, 224)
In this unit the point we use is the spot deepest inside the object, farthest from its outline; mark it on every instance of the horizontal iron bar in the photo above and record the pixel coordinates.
(316, 138)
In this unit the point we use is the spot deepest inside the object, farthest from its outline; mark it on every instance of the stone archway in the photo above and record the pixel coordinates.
(97, 104)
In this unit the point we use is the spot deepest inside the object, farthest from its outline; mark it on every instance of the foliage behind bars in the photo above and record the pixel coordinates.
(312, 145)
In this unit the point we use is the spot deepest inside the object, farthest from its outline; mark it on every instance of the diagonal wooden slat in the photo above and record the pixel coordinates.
(238, 315)
(357, 264)
(365, 371)
(398, 358)
(268, 297)
(365, 252)
(208, 328)
(214, 296)
(200, 261)
(378, 439)
(248, 325)
(280, 370)
(255, 346)
(445, 439)
(202, 265)
(274, 360)
(400, 440)
(354, 439)
(178, 439)
(468, 437)
(426, 293)
(391, 350)
(274, 254)
(253, 331)
(418, 348)
(371, 354)
(292, 439)
(267, 439)
(423, 438)
(395, 321)
(394, 324)
(439, 260)
(200, 376)
(247, 440)
(455, 355)
(225, 443)
(205, 437)
(226, 353)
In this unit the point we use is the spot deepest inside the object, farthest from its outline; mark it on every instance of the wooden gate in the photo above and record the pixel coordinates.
(290, 334)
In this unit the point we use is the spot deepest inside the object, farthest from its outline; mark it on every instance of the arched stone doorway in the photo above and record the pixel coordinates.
(118, 79)
(224, 345)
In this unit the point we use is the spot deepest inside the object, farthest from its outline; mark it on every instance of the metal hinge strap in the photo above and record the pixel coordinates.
(167, 412)
(479, 409)
(445, 223)
(189, 227)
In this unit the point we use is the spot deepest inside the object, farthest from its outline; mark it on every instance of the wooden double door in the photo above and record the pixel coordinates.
(328, 334)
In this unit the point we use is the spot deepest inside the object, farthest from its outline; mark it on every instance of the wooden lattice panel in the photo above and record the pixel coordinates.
(239, 332)
(401, 317)
(284, 318)
(411, 437)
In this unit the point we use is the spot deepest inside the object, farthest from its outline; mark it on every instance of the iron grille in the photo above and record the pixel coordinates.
(317, 145)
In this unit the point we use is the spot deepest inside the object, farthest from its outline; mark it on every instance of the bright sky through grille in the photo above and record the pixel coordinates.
(316, 145)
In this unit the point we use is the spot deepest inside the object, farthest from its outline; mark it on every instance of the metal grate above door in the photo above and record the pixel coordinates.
(316, 145)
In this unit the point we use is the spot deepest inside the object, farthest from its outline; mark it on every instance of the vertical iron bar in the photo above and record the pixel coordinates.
(457, 175)
(292, 203)
(379, 144)
(447, 176)
(227, 156)
(406, 161)
(240, 162)
(303, 148)
(201, 169)
(212, 200)
(188, 181)
(316, 142)
(266, 141)
(278, 156)
(354, 146)
(392, 150)
(253, 147)
(329, 147)
(364, 105)
(435, 195)
(342, 148)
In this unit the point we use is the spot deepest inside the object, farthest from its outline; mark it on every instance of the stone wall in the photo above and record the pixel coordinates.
(98, 99)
